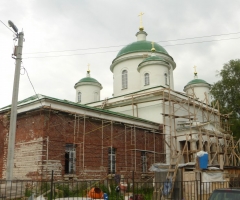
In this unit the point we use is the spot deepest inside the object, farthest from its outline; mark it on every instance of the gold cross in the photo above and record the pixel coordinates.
(195, 71)
(152, 44)
(141, 26)
(153, 49)
(88, 68)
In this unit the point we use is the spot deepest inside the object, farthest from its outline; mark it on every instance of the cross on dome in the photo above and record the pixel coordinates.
(195, 72)
(141, 28)
(153, 49)
(88, 71)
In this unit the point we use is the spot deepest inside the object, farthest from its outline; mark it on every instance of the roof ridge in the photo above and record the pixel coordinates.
(28, 100)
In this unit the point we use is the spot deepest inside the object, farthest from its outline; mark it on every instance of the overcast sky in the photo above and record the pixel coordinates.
(60, 25)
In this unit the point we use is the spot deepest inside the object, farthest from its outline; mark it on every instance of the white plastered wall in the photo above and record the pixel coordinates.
(130, 62)
(199, 90)
(133, 76)
(156, 75)
(89, 93)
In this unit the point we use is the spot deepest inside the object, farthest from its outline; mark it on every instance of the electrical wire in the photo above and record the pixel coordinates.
(8, 27)
(201, 42)
(72, 54)
(199, 37)
(125, 45)
(118, 50)
(25, 71)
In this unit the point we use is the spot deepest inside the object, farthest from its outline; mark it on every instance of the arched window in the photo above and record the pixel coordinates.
(124, 79)
(146, 79)
(166, 78)
(79, 97)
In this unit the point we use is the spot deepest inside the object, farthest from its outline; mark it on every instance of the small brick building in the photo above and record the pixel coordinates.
(77, 141)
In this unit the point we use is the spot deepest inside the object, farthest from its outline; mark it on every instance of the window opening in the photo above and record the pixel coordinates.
(166, 78)
(111, 160)
(146, 79)
(70, 159)
(124, 79)
(144, 161)
(79, 96)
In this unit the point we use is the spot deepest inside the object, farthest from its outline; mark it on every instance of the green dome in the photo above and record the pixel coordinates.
(153, 58)
(139, 46)
(196, 81)
(88, 79)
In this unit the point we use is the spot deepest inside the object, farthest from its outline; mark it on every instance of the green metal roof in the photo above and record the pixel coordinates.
(196, 81)
(139, 46)
(88, 79)
(153, 58)
(40, 97)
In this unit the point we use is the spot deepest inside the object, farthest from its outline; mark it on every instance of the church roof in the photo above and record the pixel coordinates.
(87, 79)
(196, 81)
(139, 46)
(39, 98)
(153, 58)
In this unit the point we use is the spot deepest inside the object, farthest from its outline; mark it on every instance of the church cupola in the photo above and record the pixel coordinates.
(87, 89)
(131, 72)
(141, 34)
(155, 71)
(198, 88)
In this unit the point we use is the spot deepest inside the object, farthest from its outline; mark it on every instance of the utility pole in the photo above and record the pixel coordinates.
(13, 118)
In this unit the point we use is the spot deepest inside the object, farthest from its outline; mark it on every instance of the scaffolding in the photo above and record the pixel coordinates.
(188, 119)
(188, 125)
(198, 126)
(131, 139)
(191, 125)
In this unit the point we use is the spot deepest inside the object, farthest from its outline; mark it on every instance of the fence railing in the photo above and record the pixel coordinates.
(126, 189)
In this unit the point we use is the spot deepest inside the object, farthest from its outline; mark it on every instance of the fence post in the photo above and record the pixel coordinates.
(200, 186)
(197, 188)
(51, 194)
(133, 185)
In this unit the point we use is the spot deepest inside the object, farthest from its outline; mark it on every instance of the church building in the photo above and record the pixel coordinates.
(145, 122)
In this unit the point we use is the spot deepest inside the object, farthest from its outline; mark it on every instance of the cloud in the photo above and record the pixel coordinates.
(64, 25)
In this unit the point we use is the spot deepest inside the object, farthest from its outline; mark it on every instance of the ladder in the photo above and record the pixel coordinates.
(172, 171)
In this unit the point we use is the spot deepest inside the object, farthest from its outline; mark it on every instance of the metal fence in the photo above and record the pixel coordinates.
(109, 189)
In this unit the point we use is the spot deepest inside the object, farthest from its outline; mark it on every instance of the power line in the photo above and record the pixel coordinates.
(77, 54)
(8, 27)
(125, 45)
(31, 84)
(77, 49)
(202, 42)
(199, 37)
(118, 50)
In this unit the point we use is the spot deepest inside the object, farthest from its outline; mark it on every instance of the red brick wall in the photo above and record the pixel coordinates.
(61, 128)
(4, 126)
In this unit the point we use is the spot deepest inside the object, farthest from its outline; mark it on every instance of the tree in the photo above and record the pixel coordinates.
(227, 92)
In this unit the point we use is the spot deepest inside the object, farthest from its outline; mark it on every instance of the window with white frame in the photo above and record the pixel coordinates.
(166, 78)
(70, 159)
(111, 160)
(79, 97)
(124, 79)
(146, 79)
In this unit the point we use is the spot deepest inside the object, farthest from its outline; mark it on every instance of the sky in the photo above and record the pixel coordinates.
(63, 36)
